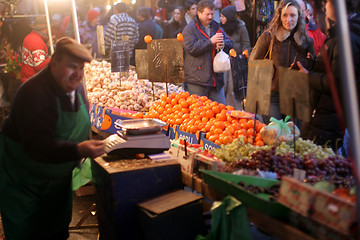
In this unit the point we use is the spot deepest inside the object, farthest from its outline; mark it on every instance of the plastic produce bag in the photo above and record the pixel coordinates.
(221, 62)
(279, 131)
(82, 175)
(229, 221)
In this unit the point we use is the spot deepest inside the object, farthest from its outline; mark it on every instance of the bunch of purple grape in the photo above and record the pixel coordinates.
(273, 190)
(284, 164)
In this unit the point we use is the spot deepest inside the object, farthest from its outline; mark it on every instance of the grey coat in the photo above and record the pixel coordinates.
(240, 38)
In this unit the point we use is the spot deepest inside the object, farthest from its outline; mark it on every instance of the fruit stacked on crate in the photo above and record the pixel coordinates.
(128, 93)
(193, 113)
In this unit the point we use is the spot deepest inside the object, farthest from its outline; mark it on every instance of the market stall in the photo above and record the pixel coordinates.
(222, 152)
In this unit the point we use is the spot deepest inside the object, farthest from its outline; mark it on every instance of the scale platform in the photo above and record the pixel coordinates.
(126, 144)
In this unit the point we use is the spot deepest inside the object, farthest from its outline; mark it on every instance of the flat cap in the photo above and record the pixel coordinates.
(73, 48)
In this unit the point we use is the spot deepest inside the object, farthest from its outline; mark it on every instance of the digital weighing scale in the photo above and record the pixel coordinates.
(137, 136)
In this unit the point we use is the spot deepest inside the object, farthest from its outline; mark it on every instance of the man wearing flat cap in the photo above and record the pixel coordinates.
(35, 53)
(41, 142)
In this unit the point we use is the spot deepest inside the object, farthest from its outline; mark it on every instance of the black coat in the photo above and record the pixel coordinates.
(34, 116)
(172, 28)
(147, 27)
(324, 125)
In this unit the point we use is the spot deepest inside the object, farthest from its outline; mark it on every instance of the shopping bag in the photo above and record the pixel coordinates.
(82, 175)
(279, 131)
(260, 75)
(229, 221)
(221, 62)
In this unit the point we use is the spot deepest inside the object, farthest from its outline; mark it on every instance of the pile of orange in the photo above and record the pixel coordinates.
(193, 113)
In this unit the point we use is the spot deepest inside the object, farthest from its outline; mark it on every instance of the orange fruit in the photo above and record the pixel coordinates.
(222, 106)
(173, 101)
(208, 126)
(213, 138)
(250, 133)
(216, 109)
(229, 108)
(250, 124)
(204, 99)
(221, 116)
(106, 124)
(208, 135)
(180, 37)
(147, 38)
(185, 95)
(246, 53)
(210, 114)
(185, 110)
(228, 139)
(220, 125)
(204, 119)
(218, 131)
(232, 53)
(230, 129)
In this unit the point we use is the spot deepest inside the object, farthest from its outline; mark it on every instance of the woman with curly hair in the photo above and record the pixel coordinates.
(284, 40)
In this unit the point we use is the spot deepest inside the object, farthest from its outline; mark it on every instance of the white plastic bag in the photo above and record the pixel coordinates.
(221, 62)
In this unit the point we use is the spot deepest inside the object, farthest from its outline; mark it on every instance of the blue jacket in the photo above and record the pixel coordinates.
(199, 54)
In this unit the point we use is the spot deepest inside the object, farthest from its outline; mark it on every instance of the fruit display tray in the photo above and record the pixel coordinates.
(227, 184)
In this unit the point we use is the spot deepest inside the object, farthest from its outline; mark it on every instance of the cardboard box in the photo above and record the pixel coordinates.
(176, 215)
(204, 162)
(119, 188)
(334, 212)
(296, 195)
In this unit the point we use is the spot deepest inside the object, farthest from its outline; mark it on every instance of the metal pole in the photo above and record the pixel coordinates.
(49, 26)
(75, 21)
(349, 88)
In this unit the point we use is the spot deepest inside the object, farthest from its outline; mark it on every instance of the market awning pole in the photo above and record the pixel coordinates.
(75, 21)
(49, 26)
(349, 88)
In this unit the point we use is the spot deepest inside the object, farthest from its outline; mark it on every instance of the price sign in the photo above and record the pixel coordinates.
(165, 61)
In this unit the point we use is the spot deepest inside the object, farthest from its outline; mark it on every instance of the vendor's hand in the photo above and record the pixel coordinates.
(91, 148)
(301, 68)
(217, 38)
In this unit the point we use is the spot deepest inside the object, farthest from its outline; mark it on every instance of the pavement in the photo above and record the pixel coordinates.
(88, 229)
(84, 216)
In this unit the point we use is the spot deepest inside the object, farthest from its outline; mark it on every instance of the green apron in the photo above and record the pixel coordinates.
(39, 196)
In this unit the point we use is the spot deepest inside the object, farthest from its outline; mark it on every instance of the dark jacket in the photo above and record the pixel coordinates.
(199, 54)
(172, 28)
(34, 116)
(324, 125)
(285, 48)
(238, 33)
(147, 27)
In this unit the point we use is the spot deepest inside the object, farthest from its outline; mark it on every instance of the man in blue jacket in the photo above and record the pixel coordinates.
(202, 39)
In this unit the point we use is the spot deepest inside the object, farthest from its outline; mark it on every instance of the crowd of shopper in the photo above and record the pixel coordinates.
(207, 26)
